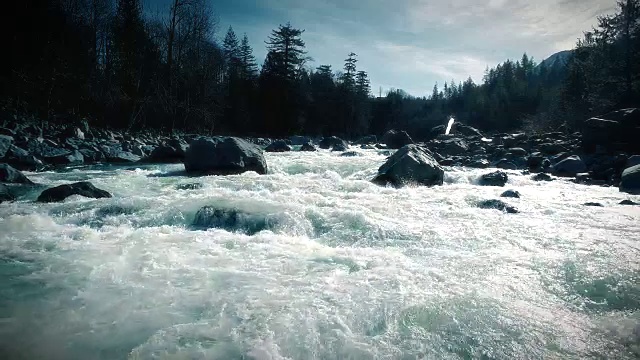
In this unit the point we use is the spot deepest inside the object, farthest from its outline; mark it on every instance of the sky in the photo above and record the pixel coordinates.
(412, 44)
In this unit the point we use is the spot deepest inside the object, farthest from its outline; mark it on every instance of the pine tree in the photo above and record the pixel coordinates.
(349, 75)
(247, 60)
(363, 85)
(287, 51)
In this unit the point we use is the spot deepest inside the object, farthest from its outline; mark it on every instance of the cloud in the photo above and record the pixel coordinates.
(411, 44)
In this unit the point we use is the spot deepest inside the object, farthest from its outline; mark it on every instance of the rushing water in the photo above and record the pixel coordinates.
(349, 270)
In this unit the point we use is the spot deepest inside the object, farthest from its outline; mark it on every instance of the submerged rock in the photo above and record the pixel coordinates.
(410, 164)
(628, 202)
(351, 154)
(593, 204)
(497, 178)
(191, 186)
(510, 194)
(498, 205)
(10, 175)
(541, 177)
(224, 156)
(630, 181)
(367, 140)
(340, 147)
(59, 193)
(231, 220)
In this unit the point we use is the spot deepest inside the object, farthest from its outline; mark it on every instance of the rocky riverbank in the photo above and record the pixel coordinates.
(582, 156)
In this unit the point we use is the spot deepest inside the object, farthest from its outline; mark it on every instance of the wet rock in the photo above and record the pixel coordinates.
(232, 220)
(593, 204)
(541, 177)
(630, 180)
(224, 156)
(450, 147)
(166, 154)
(569, 167)
(330, 142)
(59, 193)
(73, 158)
(510, 194)
(519, 152)
(615, 131)
(506, 165)
(497, 178)
(308, 147)
(395, 139)
(628, 202)
(350, 154)
(22, 160)
(410, 164)
(10, 175)
(497, 205)
(278, 146)
(340, 147)
(191, 186)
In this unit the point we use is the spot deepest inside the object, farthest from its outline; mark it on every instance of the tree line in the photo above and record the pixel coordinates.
(112, 62)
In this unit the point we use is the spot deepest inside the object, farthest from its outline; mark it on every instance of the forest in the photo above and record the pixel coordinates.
(111, 63)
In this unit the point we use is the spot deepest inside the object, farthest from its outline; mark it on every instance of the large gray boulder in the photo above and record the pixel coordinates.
(633, 161)
(630, 181)
(570, 167)
(410, 164)
(12, 176)
(224, 156)
(395, 139)
(497, 178)
(59, 193)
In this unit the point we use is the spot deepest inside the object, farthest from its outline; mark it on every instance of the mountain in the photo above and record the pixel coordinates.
(557, 60)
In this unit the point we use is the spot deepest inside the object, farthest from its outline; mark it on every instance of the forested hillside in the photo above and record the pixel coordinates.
(116, 65)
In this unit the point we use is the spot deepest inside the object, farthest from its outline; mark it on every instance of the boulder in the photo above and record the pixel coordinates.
(278, 146)
(308, 147)
(613, 132)
(496, 178)
(628, 202)
(122, 157)
(541, 177)
(92, 155)
(450, 147)
(340, 147)
(410, 164)
(517, 152)
(224, 156)
(510, 194)
(73, 158)
(232, 220)
(5, 145)
(5, 194)
(164, 154)
(396, 139)
(72, 132)
(330, 142)
(552, 148)
(190, 186)
(498, 205)
(10, 175)
(506, 165)
(59, 193)
(569, 167)
(22, 160)
(630, 181)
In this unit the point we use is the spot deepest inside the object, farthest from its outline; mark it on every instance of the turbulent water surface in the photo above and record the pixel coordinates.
(343, 269)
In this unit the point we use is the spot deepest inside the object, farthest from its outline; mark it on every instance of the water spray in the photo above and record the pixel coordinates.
(451, 121)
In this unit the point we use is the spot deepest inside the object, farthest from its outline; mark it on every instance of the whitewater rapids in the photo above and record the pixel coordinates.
(350, 271)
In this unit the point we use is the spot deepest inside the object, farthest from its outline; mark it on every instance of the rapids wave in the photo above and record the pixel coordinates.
(317, 263)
